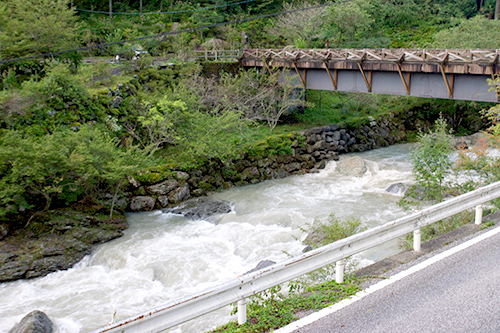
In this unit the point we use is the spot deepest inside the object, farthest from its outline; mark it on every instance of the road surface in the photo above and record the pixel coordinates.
(457, 293)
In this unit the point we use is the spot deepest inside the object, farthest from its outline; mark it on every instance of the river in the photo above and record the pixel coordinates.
(163, 256)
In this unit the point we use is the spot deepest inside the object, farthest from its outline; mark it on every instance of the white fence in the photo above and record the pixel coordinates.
(238, 289)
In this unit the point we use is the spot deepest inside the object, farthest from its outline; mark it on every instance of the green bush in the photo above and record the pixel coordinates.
(431, 161)
(42, 105)
(42, 172)
(323, 233)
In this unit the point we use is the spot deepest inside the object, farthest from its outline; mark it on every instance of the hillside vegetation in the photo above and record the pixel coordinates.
(71, 132)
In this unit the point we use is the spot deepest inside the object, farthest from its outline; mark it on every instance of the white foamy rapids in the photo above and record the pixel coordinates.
(163, 257)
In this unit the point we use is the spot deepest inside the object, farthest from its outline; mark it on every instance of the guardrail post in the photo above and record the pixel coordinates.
(479, 214)
(339, 271)
(417, 240)
(242, 311)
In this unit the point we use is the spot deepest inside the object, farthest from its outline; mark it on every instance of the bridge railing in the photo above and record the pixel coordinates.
(379, 55)
(236, 290)
(215, 55)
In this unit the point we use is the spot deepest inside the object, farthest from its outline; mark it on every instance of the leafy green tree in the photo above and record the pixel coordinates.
(193, 133)
(36, 26)
(54, 170)
(346, 23)
(58, 99)
(431, 160)
(477, 32)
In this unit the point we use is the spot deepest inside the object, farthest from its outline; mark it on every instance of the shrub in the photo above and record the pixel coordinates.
(42, 172)
(431, 161)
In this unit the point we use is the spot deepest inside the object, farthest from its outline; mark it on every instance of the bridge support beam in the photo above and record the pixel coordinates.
(430, 85)
(368, 81)
(406, 83)
(302, 77)
(333, 79)
(449, 84)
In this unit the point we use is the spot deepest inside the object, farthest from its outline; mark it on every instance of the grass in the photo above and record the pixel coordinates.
(273, 309)
(332, 107)
(439, 228)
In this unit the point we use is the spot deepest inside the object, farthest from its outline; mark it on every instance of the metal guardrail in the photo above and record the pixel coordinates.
(182, 310)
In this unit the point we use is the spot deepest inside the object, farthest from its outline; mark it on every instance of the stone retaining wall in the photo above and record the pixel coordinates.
(311, 149)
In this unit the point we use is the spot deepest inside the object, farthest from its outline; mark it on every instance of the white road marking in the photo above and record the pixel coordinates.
(382, 284)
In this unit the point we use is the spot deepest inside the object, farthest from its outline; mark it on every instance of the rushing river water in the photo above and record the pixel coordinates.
(162, 257)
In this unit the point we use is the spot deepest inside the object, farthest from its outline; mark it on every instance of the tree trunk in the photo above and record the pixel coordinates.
(140, 6)
(110, 8)
(497, 9)
(171, 14)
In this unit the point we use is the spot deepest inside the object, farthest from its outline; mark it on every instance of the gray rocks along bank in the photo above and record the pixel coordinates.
(311, 149)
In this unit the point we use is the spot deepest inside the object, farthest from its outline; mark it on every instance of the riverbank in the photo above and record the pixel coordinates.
(55, 240)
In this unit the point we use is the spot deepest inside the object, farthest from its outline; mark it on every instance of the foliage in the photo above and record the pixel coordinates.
(431, 161)
(258, 97)
(475, 33)
(346, 23)
(161, 121)
(44, 104)
(302, 26)
(478, 163)
(42, 172)
(35, 27)
(323, 233)
(194, 133)
(333, 107)
(273, 145)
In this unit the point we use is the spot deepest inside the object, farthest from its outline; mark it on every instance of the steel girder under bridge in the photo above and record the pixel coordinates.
(449, 74)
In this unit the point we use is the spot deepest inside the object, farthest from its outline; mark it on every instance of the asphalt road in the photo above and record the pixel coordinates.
(460, 293)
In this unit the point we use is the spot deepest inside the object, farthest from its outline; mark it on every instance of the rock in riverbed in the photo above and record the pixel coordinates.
(352, 166)
(201, 208)
(34, 322)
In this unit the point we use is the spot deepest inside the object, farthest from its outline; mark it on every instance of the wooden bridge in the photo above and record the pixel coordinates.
(450, 74)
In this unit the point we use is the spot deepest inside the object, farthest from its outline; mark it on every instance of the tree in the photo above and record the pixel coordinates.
(431, 160)
(42, 172)
(32, 27)
(300, 28)
(346, 23)
(477, 32)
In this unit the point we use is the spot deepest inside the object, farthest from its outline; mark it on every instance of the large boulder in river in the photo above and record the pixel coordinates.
(34, 322)
(397, 188)
(201, 208)
(352, 166)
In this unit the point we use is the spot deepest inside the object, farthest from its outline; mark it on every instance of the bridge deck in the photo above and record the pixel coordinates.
(453, 74)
